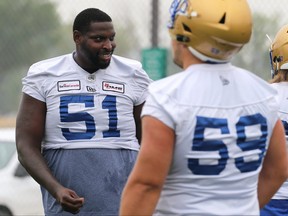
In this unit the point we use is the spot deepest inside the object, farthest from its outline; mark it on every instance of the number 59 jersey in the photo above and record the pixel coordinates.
(223, 118)
(88, 110)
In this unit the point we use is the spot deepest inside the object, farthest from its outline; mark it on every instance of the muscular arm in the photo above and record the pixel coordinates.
(30, 127)
(137, 112)
(144, 185)
(275, 166)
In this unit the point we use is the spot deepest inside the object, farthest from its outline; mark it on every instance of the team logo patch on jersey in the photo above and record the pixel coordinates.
(115, 87)
(90, 89)
(91, 78)
(68, 85)
(224, 81)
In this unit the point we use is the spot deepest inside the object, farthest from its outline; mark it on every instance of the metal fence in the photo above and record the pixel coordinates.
(133, 23)
(139, 12)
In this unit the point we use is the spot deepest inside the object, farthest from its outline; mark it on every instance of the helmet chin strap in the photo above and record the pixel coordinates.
(278, 67)
(205, 58)
(284, 66)
(274, 72)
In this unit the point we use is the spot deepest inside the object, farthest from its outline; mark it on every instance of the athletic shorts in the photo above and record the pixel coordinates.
(98, 175)
(275, 207)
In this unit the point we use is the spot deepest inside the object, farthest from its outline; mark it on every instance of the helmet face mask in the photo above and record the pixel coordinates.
(279, 51)
(214, 29)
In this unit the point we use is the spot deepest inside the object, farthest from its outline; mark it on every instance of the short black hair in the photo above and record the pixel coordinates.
(84, 18)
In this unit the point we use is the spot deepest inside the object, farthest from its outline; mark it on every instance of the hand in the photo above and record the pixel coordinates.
(69, 200)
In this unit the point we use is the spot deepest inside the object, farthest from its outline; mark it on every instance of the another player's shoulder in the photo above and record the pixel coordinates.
(250, 80)
(280, 86)
(168, 84)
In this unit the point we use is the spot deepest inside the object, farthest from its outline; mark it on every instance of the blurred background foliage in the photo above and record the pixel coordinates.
(32, 30)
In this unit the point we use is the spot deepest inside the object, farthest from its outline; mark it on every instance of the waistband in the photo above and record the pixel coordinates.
(279, 203)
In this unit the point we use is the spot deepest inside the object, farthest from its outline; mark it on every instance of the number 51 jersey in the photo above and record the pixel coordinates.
(88, 110)
(223, 118)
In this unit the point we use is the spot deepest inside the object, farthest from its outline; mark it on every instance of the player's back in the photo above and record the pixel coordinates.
(223, 118)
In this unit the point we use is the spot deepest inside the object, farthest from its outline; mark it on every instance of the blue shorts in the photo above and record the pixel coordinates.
(275, 207)
(98, 175)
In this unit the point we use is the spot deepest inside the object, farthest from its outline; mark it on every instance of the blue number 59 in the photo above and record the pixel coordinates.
(200, 144)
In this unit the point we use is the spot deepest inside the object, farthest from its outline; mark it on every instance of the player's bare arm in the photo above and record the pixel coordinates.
(29, 133)
(143, 188)
(276, 157)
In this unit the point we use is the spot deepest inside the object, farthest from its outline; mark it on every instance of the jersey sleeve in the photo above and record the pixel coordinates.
(33, 83)
(142, 82)
(153, 108)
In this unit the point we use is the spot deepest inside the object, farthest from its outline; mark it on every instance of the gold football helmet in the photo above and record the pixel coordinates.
(213, 30)
(279, 51)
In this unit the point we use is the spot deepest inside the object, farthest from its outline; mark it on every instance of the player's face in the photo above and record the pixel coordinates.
(98, 44)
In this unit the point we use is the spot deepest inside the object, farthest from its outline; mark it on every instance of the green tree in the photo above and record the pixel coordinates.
(31, 29)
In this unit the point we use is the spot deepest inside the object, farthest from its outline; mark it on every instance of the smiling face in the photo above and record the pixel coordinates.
(95, 47)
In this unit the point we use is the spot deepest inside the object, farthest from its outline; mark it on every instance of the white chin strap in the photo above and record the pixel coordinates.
(284, 66)
(205, 58)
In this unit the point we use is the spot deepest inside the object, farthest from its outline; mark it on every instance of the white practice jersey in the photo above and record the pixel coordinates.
(282, 98)
(88, 110)
(223, 118)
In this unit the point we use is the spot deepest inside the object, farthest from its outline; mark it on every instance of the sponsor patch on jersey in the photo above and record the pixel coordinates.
(115, 87)
(68, 85)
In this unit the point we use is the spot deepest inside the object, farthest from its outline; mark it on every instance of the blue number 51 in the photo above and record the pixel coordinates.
(109, 103)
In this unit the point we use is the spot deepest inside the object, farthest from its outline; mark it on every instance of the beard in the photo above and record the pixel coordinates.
(100, 59)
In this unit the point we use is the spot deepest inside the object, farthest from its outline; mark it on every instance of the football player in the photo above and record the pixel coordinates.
(211, 133)
(78, 126)
(278, 205)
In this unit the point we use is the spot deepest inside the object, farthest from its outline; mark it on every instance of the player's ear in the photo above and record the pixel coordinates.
(77, 36)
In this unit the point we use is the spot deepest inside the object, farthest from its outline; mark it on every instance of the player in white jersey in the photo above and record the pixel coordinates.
(278, 206)
(211, 131)
(78, 126)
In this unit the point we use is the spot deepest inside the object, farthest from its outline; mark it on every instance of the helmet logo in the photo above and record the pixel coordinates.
(177, 7)
(215, 50)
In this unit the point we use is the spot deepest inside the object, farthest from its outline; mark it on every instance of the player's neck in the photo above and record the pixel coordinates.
(84, 65)
(189, 59)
